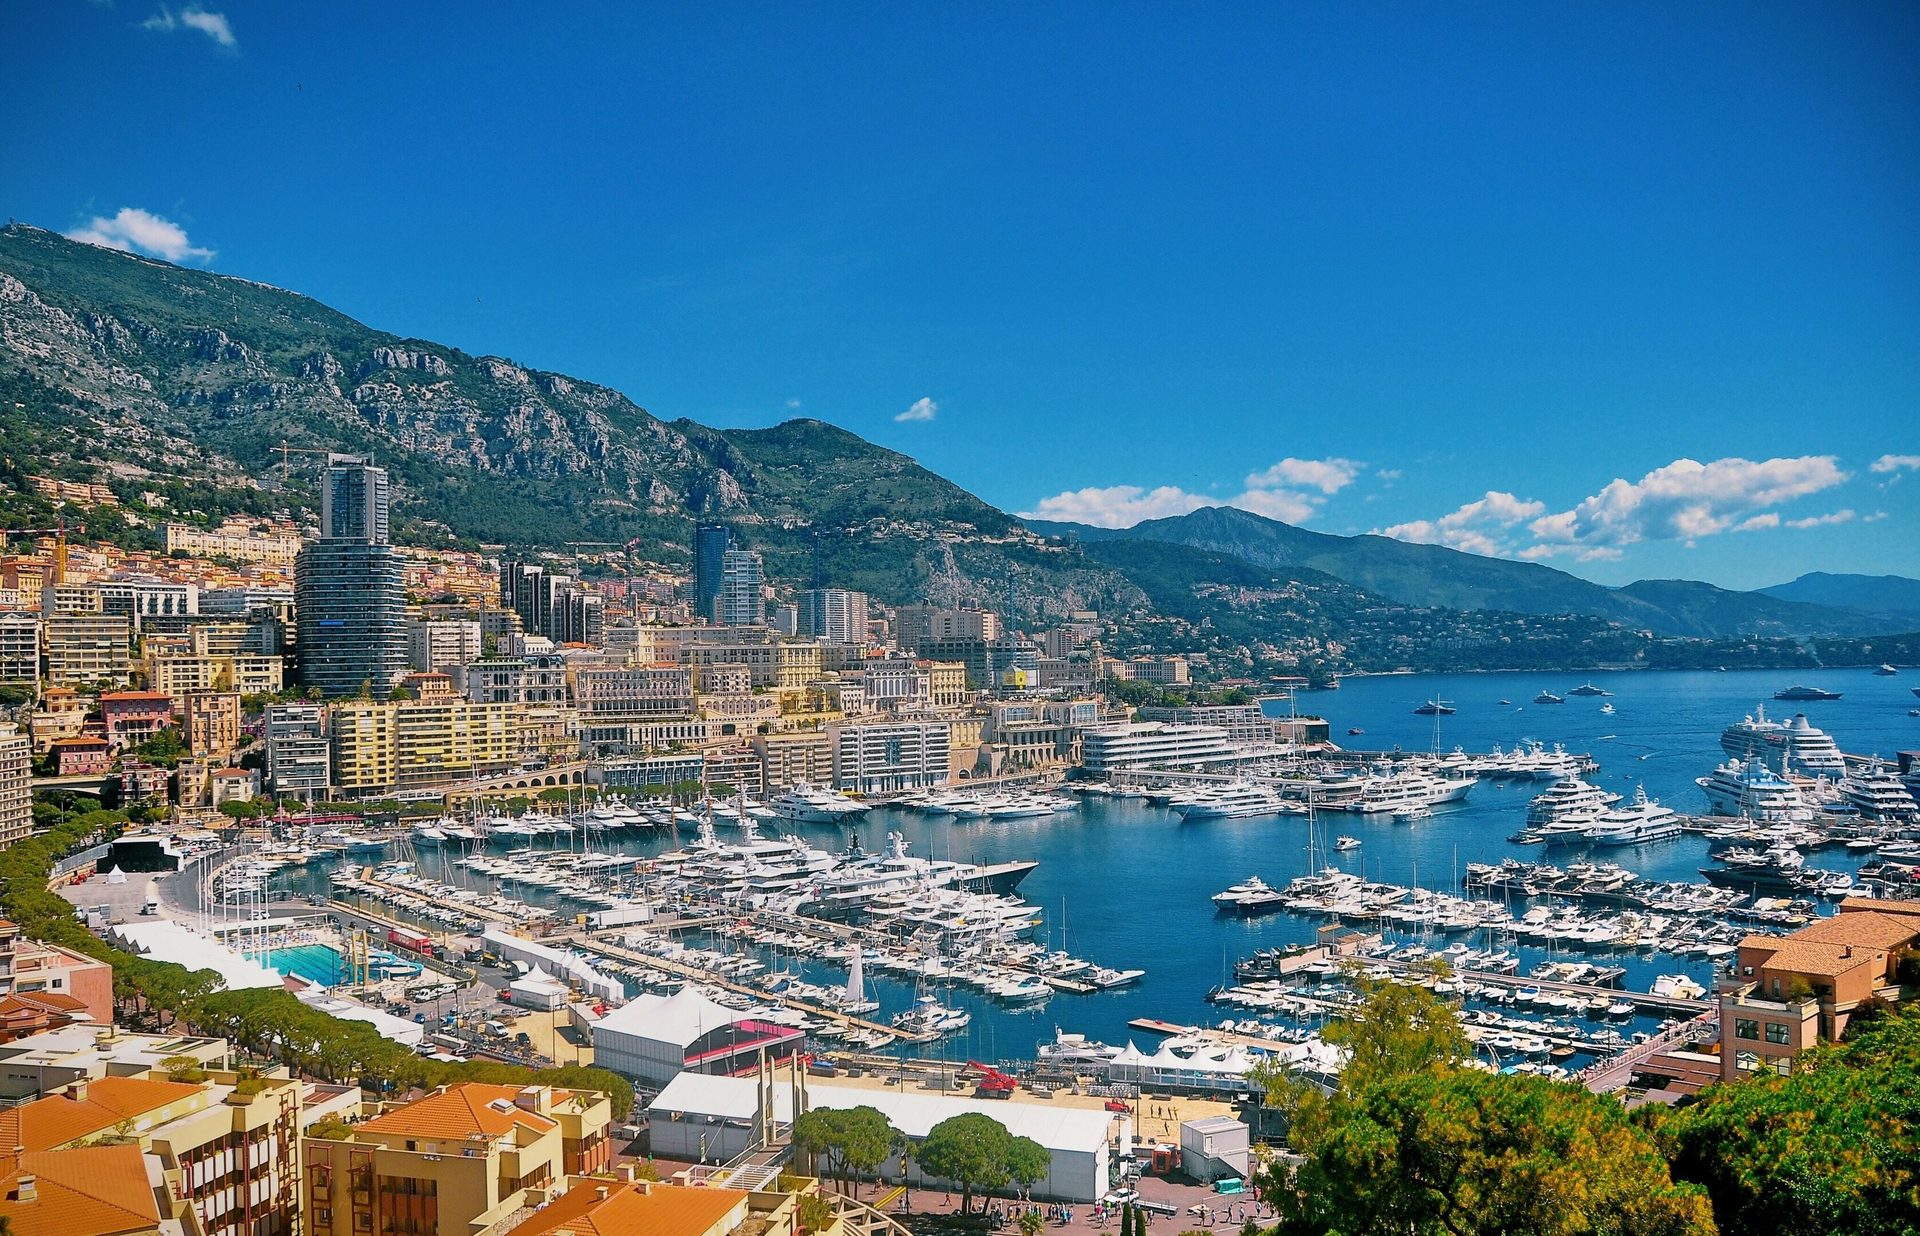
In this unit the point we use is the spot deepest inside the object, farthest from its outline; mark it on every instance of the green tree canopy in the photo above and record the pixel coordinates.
(1831, 1148)
(970, 1150)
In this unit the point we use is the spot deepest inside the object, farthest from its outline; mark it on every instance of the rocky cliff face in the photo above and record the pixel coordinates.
(186, 369)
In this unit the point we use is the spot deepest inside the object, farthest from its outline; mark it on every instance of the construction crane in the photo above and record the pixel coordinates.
(288, 450)
(59, 534)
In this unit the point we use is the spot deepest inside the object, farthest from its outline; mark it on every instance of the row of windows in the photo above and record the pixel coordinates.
(1749, 1028)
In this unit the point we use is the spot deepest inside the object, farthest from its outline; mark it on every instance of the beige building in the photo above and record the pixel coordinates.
(380, 747)
(178, 675)
(455, 1163)
(238, 540)
(789, 758)
(790, 664)
(83, 649)
(947, 684)
(210, 721)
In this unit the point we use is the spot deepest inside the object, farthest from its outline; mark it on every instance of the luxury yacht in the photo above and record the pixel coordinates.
(1753, 790)
(814, 805)
(1808, 750)
(1250, 897)
(1548, 697)
(1231, 802)
(1587, 688)
(1797, 693)
(1878, 793)
(1567, 799)
(1642, 820)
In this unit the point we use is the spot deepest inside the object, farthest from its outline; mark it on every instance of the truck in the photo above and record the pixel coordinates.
(619, 916)
(412, 941)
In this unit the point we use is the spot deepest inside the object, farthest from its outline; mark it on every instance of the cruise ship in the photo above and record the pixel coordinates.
(1878, 793)
(1809, 750)
(1753, 790)
(1640, 821)
(806, 804)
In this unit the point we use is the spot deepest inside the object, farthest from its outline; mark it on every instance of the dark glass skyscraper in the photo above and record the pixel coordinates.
(350, 597)
(710, 545)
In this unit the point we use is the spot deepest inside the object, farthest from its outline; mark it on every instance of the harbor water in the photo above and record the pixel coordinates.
(1128, 885)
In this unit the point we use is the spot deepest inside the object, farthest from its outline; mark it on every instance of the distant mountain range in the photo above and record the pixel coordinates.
(1434, 575)
(184, 385)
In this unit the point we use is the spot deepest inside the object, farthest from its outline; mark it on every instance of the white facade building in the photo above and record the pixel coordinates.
(1152, 744)
(890, 756)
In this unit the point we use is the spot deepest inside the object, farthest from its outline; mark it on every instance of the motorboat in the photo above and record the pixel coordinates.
(1607, 709)
(1344, 843)
(1885, 671)
(929, 1016)
(1434, 708)
(1250, 897)
(1548, 697)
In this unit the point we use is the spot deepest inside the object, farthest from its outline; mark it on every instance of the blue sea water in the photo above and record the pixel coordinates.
(1128, 885)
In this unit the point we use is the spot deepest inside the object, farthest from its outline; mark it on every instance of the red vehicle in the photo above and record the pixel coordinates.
(993, 1084)
(413, 941)
(1118, 1105)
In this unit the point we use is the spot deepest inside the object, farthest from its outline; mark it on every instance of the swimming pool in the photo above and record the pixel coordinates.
(316, 962)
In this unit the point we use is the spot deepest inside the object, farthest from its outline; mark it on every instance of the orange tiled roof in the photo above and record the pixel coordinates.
(461, 1111)
(52, 1122)
(1853, 905)
(91, 1191)
(1814, 957)
(632, 1210)
(1862, 929)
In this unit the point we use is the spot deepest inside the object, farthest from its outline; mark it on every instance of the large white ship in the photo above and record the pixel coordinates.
(806, 804)
(1641, 820)
(1808, 750)
(1750, 789)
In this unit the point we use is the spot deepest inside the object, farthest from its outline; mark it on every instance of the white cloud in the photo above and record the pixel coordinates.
(1478, 527)
(925, 409)
(1896, 463)
(138, 231)
(793, 405)
(1757, 523)
(1843, 516)
(1389, 475)
(1329, 476)
(1117, 506)
(193, 17)
(1874, 518)
(1686, 499)
(1281, 504)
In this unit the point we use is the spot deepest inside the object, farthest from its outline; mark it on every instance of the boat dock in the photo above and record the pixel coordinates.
(615, 952)
(1644, 1001)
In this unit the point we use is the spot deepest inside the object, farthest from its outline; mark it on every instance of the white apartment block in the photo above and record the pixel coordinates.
(891, 756)
(1150, 744)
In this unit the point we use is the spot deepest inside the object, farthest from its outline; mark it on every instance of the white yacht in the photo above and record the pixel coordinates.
(1344, 843)
(429, 834)
(1878, 793)
(1642, 820)
(1250, 897)
(808, 804)
(1232, 802)
(1571, 798)
(929, 1016)
(1749, 788)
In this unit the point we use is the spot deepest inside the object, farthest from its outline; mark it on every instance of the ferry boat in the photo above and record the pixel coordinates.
(1250, 897)
(806, 804)
(1809, 750)
(1753, 790)
(1878, 793)
(1798, 692)
(1548, 697)
(1642, 820)
(1587, 688)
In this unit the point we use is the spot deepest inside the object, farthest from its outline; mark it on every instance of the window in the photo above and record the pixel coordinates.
(1782, 1065)
(1746, 1028)
(1776, 1032)
(1746, 1061)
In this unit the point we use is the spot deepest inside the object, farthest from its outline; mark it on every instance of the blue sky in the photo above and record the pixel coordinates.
(1634, 290)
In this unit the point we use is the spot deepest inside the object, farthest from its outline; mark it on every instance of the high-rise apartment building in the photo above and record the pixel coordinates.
(710, 545)
(556, 606)
(742, 601)
(16, 785)
(298, 755)
(835, 615)
(349, 590)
